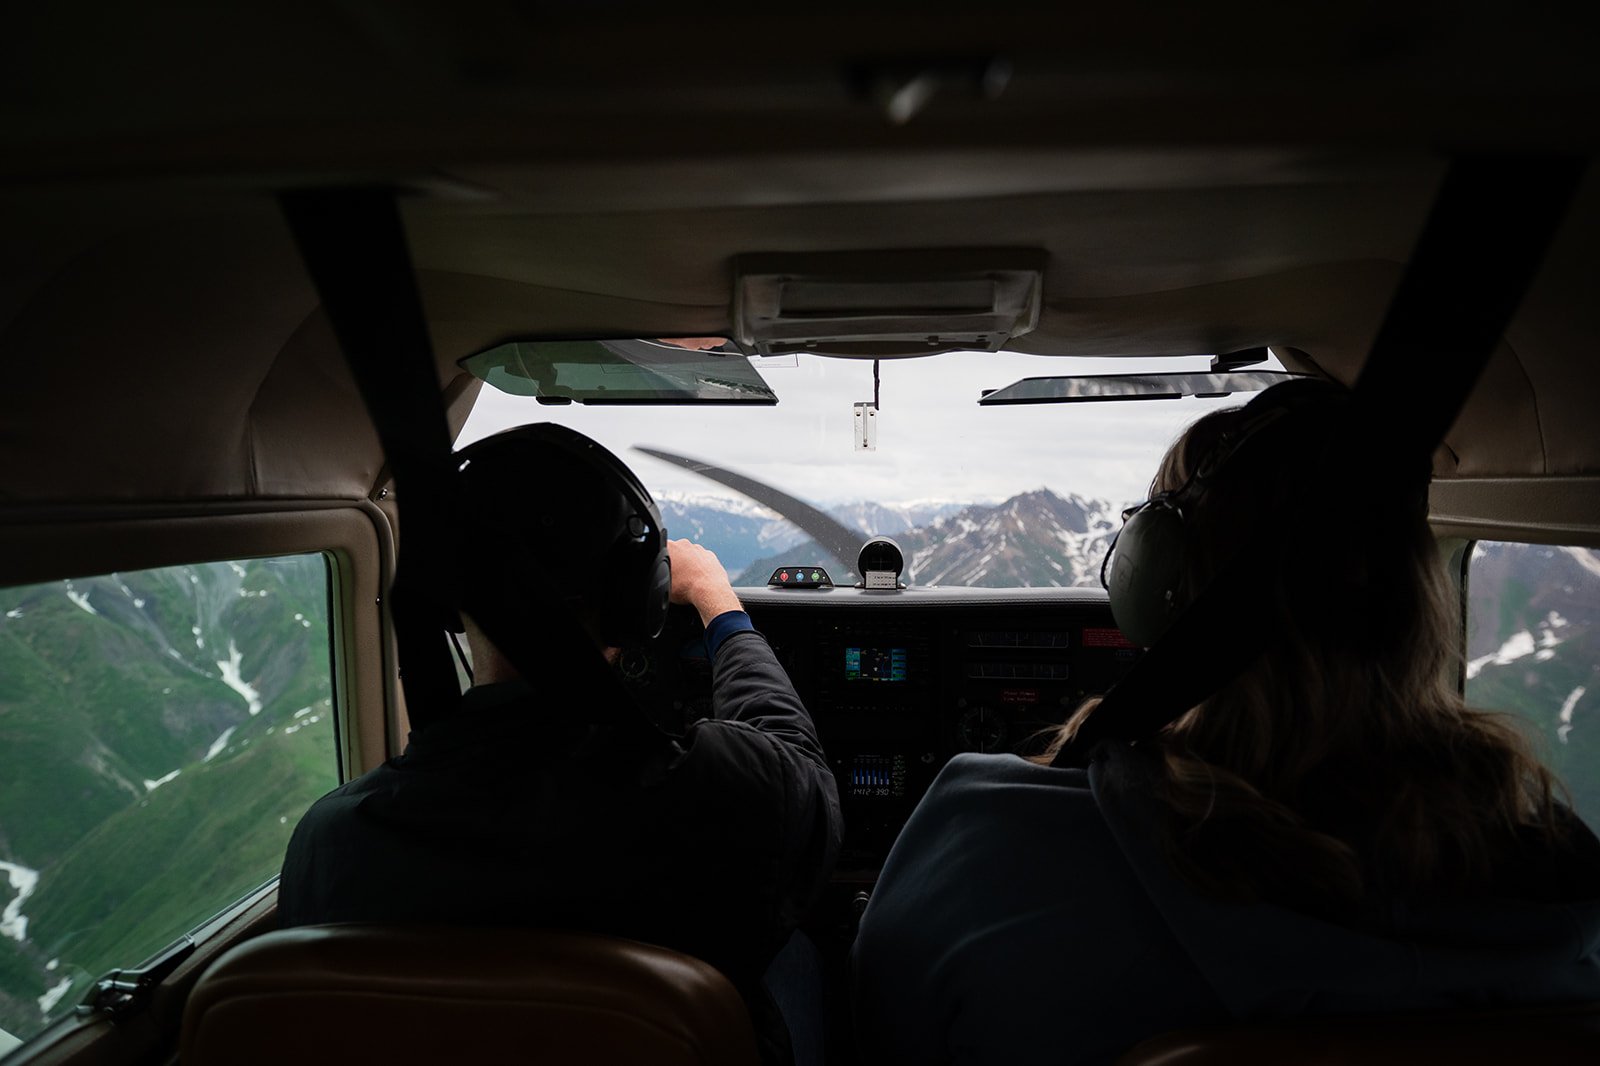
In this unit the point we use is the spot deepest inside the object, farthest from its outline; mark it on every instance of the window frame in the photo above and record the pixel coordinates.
(355, 539)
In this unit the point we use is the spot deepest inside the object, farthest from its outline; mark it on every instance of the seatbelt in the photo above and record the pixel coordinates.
(353, 243)
(1482, 245)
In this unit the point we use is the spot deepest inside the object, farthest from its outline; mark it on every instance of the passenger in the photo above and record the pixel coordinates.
(1332, 832)
(531, 807)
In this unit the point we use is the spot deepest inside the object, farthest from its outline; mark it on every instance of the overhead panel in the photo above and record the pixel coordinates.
(877, 305)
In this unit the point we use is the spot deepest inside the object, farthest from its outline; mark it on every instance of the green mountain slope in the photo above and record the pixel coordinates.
(1533, 649)
(162, 732)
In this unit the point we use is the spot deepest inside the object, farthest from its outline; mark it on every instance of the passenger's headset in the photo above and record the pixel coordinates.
(628, 587)
(1144, 566)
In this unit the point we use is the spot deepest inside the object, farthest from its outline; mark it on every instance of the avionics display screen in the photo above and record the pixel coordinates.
(875, 664)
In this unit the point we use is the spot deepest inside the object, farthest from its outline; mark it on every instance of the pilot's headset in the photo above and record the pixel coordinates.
(1144, 567)
(574, 510)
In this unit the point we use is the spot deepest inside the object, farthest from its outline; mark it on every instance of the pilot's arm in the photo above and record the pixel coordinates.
(748, 684)
(760, 742)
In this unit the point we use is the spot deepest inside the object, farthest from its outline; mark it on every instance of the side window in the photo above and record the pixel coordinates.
(1533, 648)
(161, 732)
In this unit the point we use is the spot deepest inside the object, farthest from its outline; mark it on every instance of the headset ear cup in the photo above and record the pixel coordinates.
(1146, 573)
(634, 604)
(657, 594)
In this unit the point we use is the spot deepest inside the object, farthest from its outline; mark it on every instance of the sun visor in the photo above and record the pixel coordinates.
(1089, 388)
(886, 304)
(621, 372)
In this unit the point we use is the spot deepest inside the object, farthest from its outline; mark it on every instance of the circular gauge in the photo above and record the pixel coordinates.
(880, 563)
(636, 665)
(981, 729)
(881, 553)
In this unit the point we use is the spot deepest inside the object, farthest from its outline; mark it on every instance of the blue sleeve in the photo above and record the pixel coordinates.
(724, 626)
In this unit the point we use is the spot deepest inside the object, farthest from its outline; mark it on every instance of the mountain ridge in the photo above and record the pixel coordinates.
(1032, 539)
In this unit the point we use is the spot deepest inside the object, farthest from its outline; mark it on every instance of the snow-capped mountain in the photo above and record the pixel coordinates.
(736, 529)
(888, 519)
(741, 531)
(1037, 538)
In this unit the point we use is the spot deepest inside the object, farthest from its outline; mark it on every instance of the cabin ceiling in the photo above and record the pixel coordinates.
(1198, 183)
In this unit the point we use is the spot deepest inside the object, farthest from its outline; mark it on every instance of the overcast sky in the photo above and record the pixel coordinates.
(934, 441)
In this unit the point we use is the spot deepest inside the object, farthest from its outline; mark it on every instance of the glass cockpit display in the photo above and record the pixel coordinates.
(876, 663)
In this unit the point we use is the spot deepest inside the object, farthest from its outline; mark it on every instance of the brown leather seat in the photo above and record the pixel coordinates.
(1546, 1036)
(431, 995)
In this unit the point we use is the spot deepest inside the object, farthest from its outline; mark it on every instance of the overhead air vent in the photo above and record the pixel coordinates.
(876, 305)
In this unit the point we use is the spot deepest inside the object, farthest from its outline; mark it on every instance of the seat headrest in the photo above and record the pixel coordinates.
(402, 995)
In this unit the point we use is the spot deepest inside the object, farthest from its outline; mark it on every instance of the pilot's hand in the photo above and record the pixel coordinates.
(699, 580)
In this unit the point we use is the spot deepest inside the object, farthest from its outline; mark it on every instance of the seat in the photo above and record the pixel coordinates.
(1548, 1036)
(403, 995)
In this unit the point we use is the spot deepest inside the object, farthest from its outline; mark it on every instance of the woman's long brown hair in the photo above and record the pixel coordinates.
(1343, 764)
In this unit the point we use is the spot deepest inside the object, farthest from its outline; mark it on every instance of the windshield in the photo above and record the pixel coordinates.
(996, 496)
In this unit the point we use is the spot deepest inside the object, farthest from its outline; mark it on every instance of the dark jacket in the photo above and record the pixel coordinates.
(1028, 915)
(523, 811)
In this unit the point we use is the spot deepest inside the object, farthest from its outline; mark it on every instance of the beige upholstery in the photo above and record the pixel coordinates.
(1555, 1036)
(431, 995)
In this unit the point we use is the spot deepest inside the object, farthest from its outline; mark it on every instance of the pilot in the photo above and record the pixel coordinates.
(533, 805)
(1333, 832)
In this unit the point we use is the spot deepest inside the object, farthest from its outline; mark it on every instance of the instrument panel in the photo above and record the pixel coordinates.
(900, 681)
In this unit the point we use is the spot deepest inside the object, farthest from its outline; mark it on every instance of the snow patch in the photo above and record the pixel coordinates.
(151, 786)
(13, 923)
(1519, 646)
(82, 600)
(237, 569)
(1586, 558)
(302, 712)
(52, 964)
(737, 505)
(1566, 712)
(234, 680)
(48, 1001)
(219, 744)
(137, 602)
